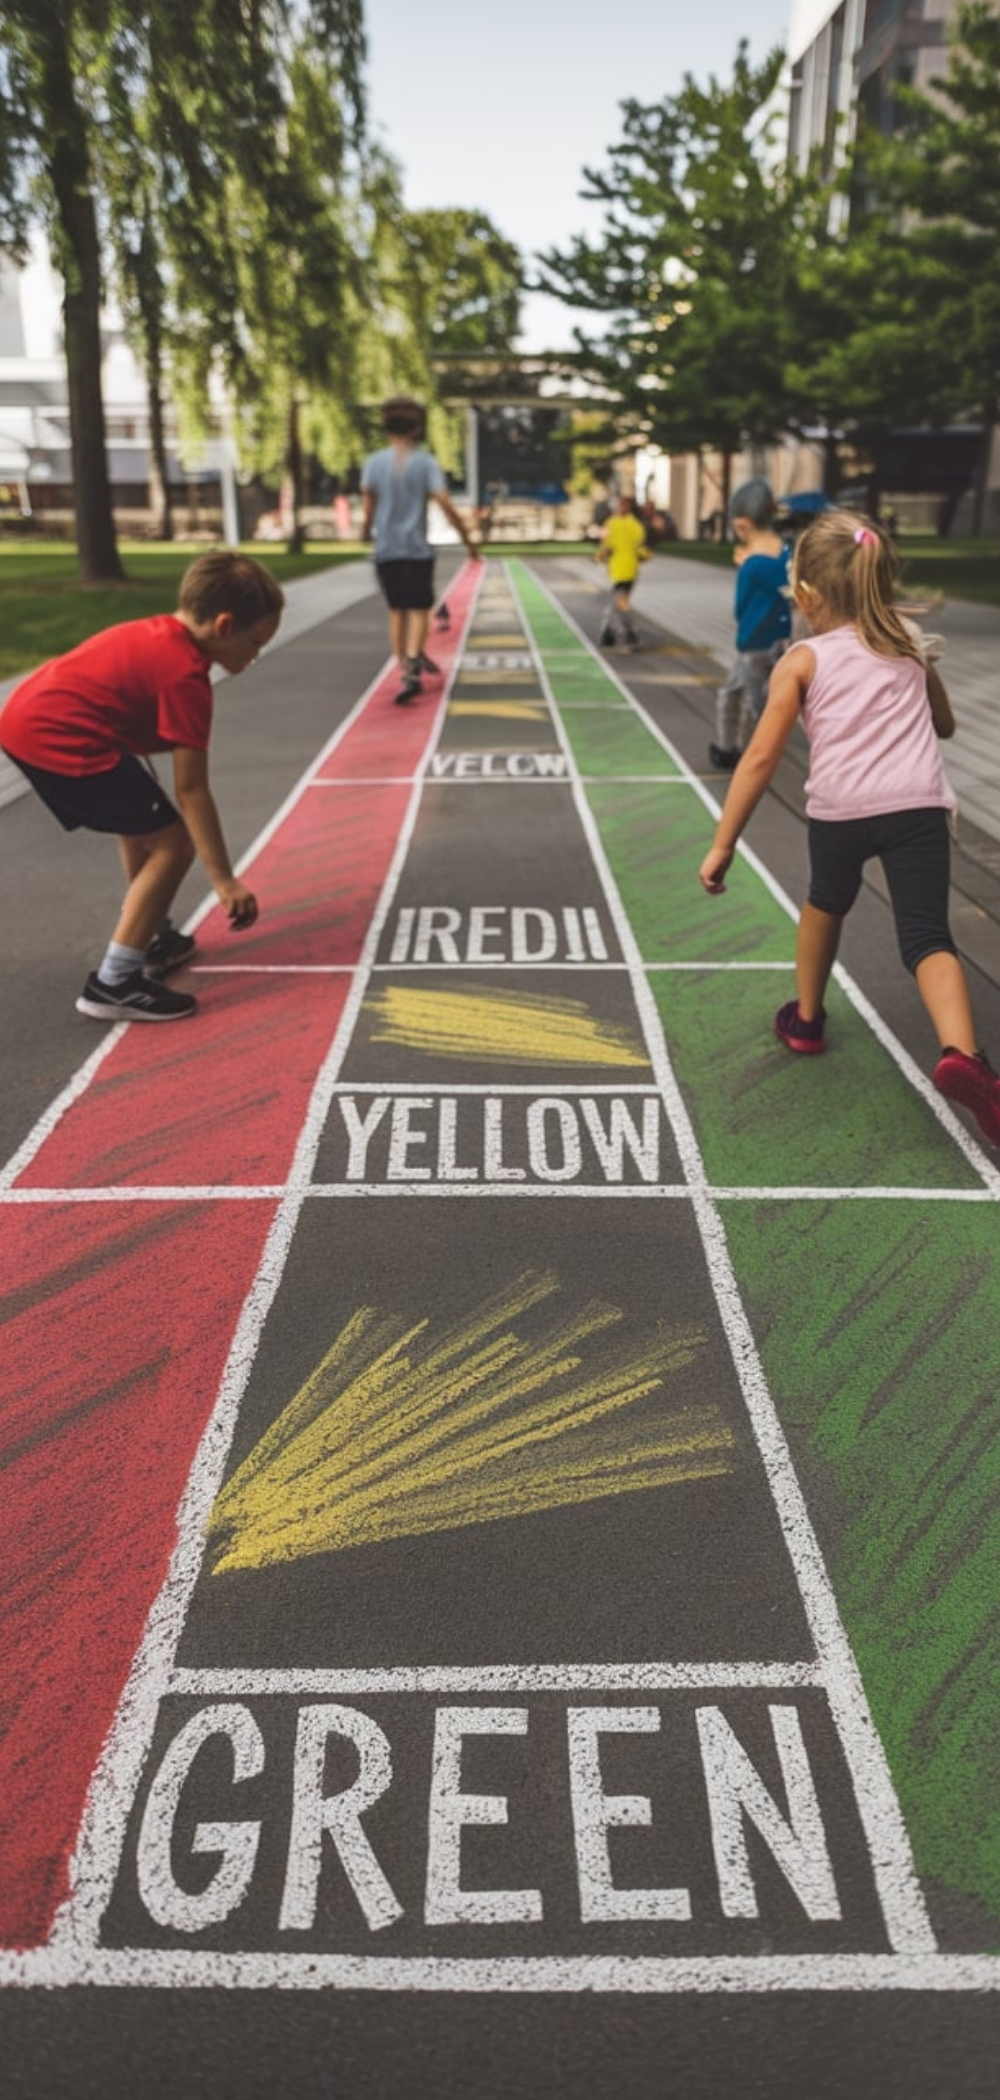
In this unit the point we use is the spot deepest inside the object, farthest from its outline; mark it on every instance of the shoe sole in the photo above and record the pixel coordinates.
(96, 1012)
(965, 1090)
(800, 1048)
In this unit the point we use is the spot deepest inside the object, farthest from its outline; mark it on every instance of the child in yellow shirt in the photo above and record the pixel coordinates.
(623, 546)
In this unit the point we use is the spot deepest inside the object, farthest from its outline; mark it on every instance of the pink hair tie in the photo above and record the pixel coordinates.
(864, 538)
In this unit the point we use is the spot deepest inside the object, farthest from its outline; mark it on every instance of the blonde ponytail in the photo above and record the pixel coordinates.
(848, 563)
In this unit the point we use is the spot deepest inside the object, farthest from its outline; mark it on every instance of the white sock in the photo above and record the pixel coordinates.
(119, 963)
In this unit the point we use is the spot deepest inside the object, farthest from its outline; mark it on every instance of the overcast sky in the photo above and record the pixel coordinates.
(499, 108)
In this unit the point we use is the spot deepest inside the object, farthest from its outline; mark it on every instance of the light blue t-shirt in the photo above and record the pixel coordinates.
(401, 482)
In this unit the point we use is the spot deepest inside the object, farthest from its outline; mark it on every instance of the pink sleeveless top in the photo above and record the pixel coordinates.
(872, 744)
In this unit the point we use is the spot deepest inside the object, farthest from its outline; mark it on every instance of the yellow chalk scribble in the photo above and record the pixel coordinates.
(517, 1026)
(477, 644)
(502, 710)
(398, 1433)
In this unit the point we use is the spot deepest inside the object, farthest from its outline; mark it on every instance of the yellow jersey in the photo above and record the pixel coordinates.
(624, 541)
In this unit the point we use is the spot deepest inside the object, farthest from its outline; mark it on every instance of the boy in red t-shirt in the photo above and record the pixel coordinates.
(79, 727)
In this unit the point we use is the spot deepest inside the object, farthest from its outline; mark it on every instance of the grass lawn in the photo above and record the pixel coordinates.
(44, 609)
(963, 568)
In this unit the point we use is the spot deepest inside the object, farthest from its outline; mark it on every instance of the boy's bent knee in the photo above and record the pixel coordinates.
(174, 846)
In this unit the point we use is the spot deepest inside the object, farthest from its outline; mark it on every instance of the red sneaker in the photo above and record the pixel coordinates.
(804, 1036)
(973, 1082)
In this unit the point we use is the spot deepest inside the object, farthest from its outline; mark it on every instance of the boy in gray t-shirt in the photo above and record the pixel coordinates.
(397, 484)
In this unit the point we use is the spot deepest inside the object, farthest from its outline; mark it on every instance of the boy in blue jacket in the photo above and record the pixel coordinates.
(763, 619)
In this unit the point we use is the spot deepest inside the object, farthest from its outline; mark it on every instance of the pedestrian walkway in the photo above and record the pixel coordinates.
(694, 600)
(526, 1303)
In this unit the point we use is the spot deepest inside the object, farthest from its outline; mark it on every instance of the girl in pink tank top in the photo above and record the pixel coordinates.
(873, 710)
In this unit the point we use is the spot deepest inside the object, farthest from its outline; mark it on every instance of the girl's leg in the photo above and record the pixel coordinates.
(916, 856)
(945, 993)
(815, 954)
(729, 710)
(155, 866)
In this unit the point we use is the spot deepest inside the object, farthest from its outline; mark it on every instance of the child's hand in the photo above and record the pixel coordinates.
(239, 904)
(714, 866)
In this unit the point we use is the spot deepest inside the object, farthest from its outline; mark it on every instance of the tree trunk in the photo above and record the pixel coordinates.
(148, 289)
(981, 483)
(291, 493)
(831, 462)
(727, 489)
(79, 258)
(158, 470)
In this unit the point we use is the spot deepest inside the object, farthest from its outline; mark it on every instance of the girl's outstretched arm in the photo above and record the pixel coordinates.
(759, 762)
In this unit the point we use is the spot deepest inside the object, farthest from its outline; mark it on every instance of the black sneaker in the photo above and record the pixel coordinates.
(607, 638)
(136, 998)
(168, 950)
(426, 663)
(442, 617)
(723, 761)
(408, 691)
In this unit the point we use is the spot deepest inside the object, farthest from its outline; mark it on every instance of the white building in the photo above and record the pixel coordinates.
(847, 59)
(36, 460)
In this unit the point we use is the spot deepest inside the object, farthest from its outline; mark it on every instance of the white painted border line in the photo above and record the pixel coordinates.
(248, 1192)
(117, 1774)
(183, 1968)
(496, 1677)
(273, 969)
(488, 963)
(974, 1152)
(435, 969)
(483, 1086)
(900, 1895)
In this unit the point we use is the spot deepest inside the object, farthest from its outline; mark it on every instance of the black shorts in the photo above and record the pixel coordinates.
(624, 588)
(914, 849)
(128, 800)
(407, 586)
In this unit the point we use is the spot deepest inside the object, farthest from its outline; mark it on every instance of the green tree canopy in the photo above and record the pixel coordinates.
(692, 264)
(136, 116)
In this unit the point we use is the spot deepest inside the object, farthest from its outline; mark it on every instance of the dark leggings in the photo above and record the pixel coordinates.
(914, 849)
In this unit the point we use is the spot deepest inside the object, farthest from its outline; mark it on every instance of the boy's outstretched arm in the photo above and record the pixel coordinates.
(197, 807)
(456, 519)
(759, 763)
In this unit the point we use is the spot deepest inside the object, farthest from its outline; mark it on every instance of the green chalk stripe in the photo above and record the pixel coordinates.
(610, 741)
(881, 1343)
(878, 1323)
(655, 838)
(764, 1117)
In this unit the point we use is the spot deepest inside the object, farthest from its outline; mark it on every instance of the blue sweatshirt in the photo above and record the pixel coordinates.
(763, 614)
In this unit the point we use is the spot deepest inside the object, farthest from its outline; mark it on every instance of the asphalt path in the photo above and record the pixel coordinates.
(501, 1664)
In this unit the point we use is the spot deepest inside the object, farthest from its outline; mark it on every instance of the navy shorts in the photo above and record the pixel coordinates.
(128, 800)
(407, 586)
(914, 849)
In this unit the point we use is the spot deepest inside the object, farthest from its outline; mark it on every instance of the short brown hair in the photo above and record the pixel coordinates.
(403, 416)
(224, 580)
